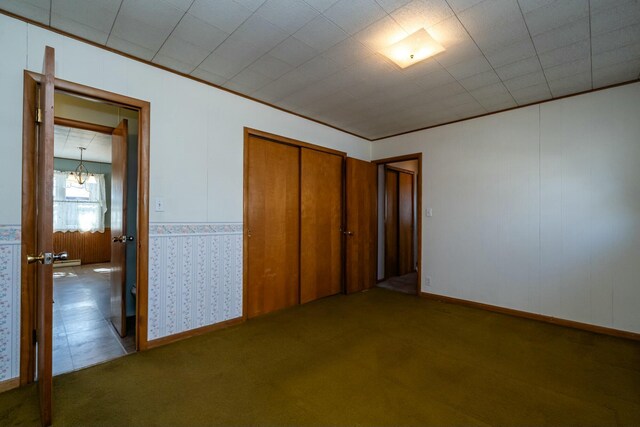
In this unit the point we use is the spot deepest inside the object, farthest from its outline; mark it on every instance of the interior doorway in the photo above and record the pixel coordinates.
(399, 223)
(94, 207)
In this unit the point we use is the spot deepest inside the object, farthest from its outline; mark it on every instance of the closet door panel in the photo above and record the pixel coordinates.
(273, 226)
(321, 218)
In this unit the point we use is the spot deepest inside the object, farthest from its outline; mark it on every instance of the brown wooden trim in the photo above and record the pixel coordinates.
(190, 77)
(27, 362)
(290, 141)
(534, 316)
(418, 157)
(194, 332)
(61, 121)
(28, 232)
(584, 92)
(394, 168)
(9, 384)
(245, 218)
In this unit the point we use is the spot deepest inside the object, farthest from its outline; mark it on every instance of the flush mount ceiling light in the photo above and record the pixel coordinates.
(412, 49)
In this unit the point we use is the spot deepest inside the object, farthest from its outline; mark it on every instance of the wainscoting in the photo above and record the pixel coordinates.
(90, 248)
(195, 276)
(9, 302)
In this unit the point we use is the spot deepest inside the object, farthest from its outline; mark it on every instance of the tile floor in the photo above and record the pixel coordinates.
(82, 332)
(405, 284)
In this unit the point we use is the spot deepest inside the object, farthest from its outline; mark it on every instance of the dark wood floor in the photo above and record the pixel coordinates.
(82, 332)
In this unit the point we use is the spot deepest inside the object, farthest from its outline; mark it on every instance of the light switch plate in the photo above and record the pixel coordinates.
(429, 212)
(159, 204)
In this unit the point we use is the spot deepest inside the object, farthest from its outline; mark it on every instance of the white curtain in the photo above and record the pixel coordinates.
(78, 207)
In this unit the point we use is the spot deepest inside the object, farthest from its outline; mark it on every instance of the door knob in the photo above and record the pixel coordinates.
(62, 256)
(123, 239)
(348, 233)
(42, 258)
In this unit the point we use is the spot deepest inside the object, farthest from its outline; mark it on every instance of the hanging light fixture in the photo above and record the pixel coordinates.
(81, 172)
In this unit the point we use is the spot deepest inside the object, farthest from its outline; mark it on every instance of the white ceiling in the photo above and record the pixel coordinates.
(67, 140)
(319, 58)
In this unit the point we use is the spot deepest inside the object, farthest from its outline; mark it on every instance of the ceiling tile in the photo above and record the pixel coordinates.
(527, 80)
(321, 5)
(530, 94)
(348, 52)
(479, 80)
(186, 54)
(562, 36)
(318, 68)
(391, 5)
(320, 34)
(381, 34)
(290, 15)
(519, 68)
(460, 5)
(556, 14)
(251, 80)
(611, 18)
(224, 14)
(617, 73)
(615, 39)
(469, 67)
(517, 51)
(567, 69)
(146, 23)
(435, 79)
(419, 14)
(622, 54)
(293, 52)
(530, 5)
(91, 19)
(199, 33)
(130, 48)
(259, 33)
(354, 15)
(252, 5)
(36, 10)
(572, 84)
(573, 52)
(494, 23)
(230, 58)
(270, 66)
(174, 63)
(497, 90)
(203, 74)
(498, 103)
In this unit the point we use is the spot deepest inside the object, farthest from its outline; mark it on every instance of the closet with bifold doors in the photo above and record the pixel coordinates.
(293, 223)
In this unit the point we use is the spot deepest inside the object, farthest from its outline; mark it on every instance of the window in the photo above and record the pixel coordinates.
(78, 207)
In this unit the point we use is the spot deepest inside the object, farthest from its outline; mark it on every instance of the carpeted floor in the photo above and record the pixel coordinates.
(406, 283)
(375, 358)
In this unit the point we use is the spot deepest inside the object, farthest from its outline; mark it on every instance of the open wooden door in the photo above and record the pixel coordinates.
(361, 225)
(43, 258)
(119, 237)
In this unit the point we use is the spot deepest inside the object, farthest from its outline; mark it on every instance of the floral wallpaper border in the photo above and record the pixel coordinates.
(159, 229)
(9, 234)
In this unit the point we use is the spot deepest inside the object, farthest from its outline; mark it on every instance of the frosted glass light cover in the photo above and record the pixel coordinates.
(412, 49)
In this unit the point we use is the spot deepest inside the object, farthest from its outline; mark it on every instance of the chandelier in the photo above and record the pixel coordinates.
(81, 172)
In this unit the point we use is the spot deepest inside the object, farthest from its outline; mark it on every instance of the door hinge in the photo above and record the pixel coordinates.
(38, 115)
(35, 337)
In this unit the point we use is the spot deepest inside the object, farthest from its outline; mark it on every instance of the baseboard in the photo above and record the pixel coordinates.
(192, 333)
(9, 384)
(540, 317)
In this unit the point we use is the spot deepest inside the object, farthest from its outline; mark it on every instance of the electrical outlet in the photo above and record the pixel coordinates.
(159, 204)
(428, 281)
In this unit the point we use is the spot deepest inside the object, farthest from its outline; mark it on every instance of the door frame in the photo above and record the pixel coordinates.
(28, 221)
(418, 220)
(249, 132)
(413, 219)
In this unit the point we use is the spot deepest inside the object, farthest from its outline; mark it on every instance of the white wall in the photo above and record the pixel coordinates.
(536, 209)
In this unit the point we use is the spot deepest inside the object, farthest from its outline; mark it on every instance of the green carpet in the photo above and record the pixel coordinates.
(375, 358)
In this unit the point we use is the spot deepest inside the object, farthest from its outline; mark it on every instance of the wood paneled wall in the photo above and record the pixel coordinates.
(90, 248)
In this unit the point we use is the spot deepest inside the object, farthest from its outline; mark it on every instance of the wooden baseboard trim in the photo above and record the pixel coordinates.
(534, 316)
(192, 333)
(9, 384)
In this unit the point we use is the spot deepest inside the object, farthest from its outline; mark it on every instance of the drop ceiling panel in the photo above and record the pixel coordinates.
(321, 57)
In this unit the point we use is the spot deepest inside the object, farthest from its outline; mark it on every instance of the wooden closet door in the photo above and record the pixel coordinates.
(391, 223)
(273, 226)
(405, 223)
(321, 218)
